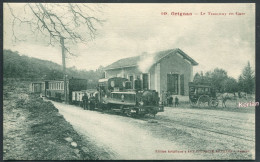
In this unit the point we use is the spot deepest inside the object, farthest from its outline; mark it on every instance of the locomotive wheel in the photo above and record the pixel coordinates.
(204, 101)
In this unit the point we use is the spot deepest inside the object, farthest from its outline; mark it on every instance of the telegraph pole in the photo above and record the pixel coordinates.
(64, 68)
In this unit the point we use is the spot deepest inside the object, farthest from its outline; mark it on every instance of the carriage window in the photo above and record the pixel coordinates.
(200, 90)
(206, 90)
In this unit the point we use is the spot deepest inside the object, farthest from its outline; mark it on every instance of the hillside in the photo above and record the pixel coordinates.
(18, 66)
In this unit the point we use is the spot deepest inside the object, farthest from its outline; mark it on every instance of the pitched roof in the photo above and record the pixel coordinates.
(133, 61)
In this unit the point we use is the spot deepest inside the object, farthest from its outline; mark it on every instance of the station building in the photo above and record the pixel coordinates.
(165, 71)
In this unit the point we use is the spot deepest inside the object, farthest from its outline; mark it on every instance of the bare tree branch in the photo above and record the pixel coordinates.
(73, 22)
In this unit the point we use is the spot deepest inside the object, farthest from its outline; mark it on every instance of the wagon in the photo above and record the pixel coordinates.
(202, 95)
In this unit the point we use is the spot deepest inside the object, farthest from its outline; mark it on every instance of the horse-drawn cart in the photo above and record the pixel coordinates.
(202, 95)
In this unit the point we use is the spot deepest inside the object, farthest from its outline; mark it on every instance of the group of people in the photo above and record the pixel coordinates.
(167, 99)
(88, 103)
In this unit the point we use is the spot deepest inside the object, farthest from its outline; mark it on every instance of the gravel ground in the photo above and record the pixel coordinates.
(120, 136)
(177, 133)
(231, 132)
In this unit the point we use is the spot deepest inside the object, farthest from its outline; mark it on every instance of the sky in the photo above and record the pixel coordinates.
(214, 40)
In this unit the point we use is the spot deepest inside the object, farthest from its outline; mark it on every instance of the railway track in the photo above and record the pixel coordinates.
(171, 123)
(205, 130)
(215, 116)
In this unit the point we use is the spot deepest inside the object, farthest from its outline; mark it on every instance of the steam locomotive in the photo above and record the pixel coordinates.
(112, 94)
(118, 95)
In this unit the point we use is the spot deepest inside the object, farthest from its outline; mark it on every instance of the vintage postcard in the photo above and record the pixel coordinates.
(132, 81)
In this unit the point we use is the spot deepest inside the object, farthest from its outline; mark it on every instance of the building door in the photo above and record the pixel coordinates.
(145, 81)
(173, 83)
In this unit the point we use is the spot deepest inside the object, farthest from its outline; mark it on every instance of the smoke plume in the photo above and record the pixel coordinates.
(145, 63)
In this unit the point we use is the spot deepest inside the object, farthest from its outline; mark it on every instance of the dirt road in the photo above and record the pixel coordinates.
(177, 133)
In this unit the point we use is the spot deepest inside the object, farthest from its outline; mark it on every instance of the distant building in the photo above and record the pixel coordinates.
(169, 70)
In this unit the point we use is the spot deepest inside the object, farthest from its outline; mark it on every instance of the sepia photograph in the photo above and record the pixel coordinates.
(129, 81)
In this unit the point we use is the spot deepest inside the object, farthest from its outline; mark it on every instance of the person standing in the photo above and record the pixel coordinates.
(176, 101)
(171, 101)
(167, 99)
(92, 102)
(163, 98)
(85, 101)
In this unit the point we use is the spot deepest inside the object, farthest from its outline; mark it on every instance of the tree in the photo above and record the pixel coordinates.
(76, 23)
(246, 80)
(201, 79)
(230, 85)
(58, 22)
(217, 78)
(197, 78)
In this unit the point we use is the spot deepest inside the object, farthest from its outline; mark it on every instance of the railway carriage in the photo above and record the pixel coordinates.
(54, 89)
(202, 95)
